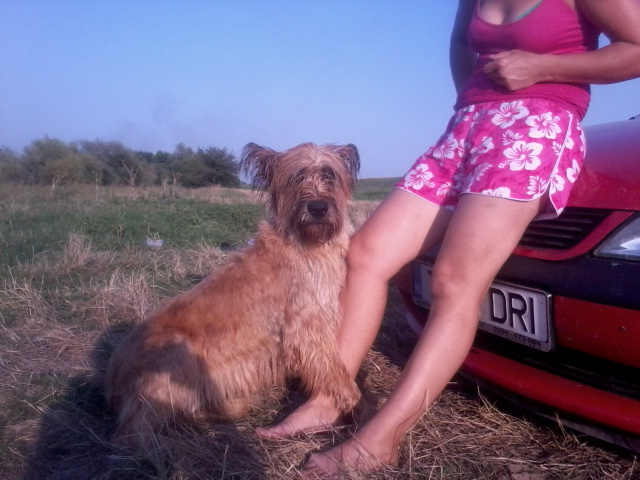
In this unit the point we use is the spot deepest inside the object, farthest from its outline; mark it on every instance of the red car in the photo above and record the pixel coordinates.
(560, 326)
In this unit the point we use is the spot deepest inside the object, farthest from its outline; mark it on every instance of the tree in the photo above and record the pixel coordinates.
(122, 164)
(159, 162)
(224, 166)
(10, 166)
(7, 155)
(55, 162)
(211, 166)
(41, 152)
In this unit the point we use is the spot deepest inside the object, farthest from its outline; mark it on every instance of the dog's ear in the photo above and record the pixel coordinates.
(351, 158)
(258, 163)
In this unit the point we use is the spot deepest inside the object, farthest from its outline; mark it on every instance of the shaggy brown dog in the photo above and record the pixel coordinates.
(271, 312)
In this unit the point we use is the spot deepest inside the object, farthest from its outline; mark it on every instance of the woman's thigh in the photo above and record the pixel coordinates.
(402, 226)
(481, 235)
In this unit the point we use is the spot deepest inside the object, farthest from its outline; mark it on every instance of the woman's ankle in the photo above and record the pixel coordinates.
(383, 446)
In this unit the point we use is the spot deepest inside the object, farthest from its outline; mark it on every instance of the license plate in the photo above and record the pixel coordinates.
(509, 311)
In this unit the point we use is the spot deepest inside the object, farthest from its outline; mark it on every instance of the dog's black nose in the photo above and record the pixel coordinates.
(318, 209)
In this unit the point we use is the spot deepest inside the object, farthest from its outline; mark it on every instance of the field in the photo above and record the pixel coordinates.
(80, 265)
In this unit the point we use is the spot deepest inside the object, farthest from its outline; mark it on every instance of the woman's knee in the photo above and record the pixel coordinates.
(453, 283)
(444, 282)
(370, 256)
(363, 251)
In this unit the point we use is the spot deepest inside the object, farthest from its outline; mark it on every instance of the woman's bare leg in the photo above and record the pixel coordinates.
(481, 235)
(390, 238)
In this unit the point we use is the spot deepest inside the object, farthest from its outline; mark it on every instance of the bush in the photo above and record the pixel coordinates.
(53, 162)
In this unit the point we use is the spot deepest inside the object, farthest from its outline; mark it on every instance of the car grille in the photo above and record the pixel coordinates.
(565, 231)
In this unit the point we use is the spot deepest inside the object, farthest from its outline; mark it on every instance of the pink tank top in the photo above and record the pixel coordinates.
(553, 27)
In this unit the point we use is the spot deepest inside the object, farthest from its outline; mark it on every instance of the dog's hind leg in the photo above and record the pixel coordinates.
(154, 387)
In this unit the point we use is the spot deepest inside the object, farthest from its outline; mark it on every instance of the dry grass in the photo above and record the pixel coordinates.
(62, 314)
(80, 192)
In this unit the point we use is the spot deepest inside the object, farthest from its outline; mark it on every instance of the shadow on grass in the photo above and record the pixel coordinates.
(74, 432)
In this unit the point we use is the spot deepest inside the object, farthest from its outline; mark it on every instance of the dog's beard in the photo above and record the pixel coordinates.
(311, 229)
(314, 232)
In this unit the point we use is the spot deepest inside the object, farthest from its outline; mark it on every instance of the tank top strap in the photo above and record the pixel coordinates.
(528, 11)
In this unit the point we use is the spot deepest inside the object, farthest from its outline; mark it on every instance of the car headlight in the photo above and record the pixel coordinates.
(625, 243)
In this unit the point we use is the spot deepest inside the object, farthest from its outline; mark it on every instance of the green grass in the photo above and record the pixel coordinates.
(374, 188)
(35, 220)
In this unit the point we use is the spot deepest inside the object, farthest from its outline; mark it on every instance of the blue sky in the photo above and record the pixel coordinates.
(153, 74)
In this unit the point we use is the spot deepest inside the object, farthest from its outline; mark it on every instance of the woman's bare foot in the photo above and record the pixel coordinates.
(316, 415)
(352, 455)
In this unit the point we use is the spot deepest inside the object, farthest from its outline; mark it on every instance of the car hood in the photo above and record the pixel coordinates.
(610, 177)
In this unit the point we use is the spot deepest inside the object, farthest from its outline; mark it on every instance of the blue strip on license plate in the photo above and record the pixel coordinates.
(518, 314)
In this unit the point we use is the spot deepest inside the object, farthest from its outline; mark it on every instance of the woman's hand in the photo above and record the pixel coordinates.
(616, 62)
(515, 69)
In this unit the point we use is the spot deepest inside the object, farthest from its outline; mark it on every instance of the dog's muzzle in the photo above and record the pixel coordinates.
(318, 209)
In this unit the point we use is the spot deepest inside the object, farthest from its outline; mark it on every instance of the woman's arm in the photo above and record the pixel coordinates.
(461, 58)
(619, 20)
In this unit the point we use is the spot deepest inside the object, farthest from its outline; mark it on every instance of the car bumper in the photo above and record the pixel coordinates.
(593, 376)
(579, 400)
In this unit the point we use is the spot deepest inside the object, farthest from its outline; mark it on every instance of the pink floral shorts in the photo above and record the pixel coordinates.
(515, 150)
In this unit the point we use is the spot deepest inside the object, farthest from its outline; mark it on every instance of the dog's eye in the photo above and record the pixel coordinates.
(328, 175)
(299, 177)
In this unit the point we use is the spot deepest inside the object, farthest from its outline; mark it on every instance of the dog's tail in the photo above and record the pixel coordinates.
(139, 426)
(138, 422)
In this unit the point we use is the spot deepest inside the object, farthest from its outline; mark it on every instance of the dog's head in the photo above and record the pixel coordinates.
(308, 187)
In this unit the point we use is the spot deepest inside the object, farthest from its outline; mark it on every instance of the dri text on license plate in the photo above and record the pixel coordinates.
(516, 313)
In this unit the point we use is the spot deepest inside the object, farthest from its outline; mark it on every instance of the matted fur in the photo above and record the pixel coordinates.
(270, 313)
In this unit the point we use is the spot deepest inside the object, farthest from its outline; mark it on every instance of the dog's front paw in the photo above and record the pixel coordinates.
(347, 397)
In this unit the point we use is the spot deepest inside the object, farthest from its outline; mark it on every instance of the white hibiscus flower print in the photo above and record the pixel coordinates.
(537, 185)
(556, 184)
(510, 136)
(485, 145)
(523, 155)
(418, 178)
(498, 192)
(573, 171)
(508, 113)
(543, 126)
(446, 148)
(568, 145)
(444, 189)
